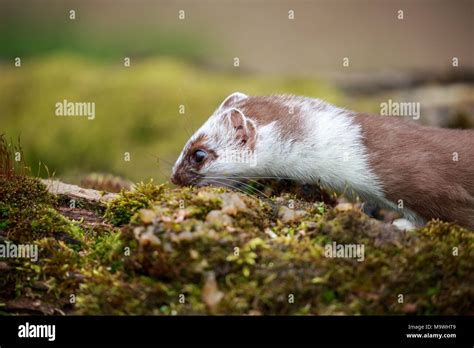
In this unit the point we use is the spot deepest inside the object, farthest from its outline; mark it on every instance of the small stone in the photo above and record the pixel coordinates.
(181, 215)
(4, 267)
(147, 216)
(287, 215)
(137, 231)
(218, 218)
(344, 206)
(233, 204)
(232, 229)
(270, 233)
(194, 254)
(319, 280)
(205, 196)
(185, 235)
(211, 295)
(403, 225)
(149, 238)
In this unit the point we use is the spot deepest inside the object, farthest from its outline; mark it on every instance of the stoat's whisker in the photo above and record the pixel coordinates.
(165, 162)
(240, 182)
(251, 188)
(259, 183)
(186, 127)
(159, 165)
(250, 193)
(261, 177)
(162, 173)
(183, 97)
(274, 205)
(225, 184)
(159, 159)
(252, 181)
(266, 199)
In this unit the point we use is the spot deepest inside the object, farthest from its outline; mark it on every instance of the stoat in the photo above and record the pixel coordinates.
(423, 172)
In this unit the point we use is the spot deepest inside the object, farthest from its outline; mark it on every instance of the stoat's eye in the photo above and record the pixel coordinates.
(199, 155)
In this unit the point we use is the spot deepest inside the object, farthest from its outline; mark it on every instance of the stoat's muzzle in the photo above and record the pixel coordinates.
(183, 177)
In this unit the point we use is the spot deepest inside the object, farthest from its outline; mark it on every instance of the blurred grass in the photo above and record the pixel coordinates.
(136, 110)
(98, 31)
(23, 40)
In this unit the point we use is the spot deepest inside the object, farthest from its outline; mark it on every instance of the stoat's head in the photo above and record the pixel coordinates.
(223, 146)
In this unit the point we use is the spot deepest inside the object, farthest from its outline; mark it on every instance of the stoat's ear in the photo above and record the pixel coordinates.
(232, 100)
(245, 129)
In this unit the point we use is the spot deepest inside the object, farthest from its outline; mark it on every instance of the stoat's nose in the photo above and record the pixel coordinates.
(180, 178)
(174, 179)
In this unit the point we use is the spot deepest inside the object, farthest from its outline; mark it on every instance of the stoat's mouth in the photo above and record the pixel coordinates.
(216, 183)
(201, 183)
(221, 182)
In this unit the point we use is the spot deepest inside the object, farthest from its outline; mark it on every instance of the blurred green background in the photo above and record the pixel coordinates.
(190, 62)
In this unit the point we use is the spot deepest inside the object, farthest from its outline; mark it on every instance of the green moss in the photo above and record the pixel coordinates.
(121, 209)
(170, 258)
(23, 192)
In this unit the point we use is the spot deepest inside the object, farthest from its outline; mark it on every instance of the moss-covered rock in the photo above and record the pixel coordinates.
(217, 251)
(122, 209)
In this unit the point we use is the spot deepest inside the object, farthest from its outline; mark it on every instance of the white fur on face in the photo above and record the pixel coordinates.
(222, 139)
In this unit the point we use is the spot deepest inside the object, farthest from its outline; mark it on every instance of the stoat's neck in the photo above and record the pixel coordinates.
(330, 151)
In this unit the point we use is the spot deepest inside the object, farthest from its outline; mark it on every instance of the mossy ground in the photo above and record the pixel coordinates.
(217, 251)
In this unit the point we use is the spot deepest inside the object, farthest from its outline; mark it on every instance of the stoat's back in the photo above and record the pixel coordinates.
(430, 169)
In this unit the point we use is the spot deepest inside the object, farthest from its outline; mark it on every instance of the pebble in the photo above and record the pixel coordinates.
(344, 206)
(147, 216)
(403, 224)
(211, 295)
(233, 204)
(218, 218)
(287, 215)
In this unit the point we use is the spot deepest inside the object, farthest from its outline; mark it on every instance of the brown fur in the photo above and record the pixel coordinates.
(415, 164)
(267, 109)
